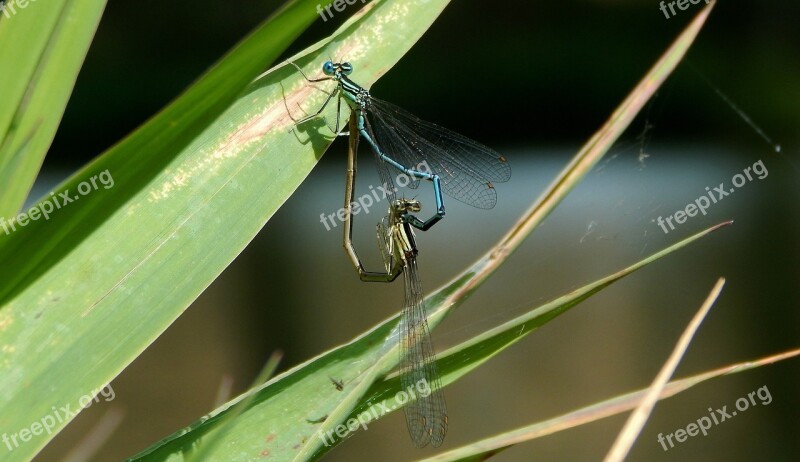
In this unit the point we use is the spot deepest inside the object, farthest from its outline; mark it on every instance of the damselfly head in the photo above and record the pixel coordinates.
(407, 205)
(330, 68)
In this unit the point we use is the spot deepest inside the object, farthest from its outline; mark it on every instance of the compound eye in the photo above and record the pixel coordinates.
(347, 68)
(328, 68)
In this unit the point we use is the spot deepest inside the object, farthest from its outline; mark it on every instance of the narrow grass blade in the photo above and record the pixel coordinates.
(208, 445)
(42, 48)
(638, 417)
(88, 446)
(486, 448)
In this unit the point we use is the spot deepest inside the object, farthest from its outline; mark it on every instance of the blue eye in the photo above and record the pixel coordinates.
(328, 68)
(347, 68)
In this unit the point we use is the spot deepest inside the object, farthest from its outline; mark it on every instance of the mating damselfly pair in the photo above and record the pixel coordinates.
(457, 166)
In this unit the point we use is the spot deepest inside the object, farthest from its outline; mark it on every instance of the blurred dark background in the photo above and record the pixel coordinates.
(545, 76)
(515, 59)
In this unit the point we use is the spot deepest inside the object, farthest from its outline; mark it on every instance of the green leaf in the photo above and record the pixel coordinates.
(42, 48)
(84, 292)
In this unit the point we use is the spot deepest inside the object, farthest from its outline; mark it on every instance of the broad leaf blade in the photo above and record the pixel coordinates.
(84, 293)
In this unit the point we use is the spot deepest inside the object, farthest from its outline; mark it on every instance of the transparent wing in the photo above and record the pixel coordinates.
(427, 416)
(467, 168)
(385, 243)
(386, 178)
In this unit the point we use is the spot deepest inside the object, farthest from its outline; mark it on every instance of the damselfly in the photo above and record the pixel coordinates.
(426, 417)
(458, 166)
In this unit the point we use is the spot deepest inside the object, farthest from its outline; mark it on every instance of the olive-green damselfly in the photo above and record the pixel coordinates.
(426, 417)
